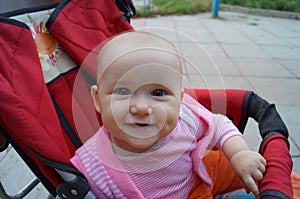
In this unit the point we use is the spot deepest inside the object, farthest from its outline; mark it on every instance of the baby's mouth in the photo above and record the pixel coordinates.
(141, 124)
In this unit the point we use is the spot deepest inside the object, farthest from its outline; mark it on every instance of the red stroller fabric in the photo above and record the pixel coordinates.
(228, 102)
(79, 26)
(26, 110)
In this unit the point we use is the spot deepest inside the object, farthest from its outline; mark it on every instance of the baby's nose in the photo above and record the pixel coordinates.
(140, 106)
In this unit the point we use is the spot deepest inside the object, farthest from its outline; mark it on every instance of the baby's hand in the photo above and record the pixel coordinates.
(249, 166)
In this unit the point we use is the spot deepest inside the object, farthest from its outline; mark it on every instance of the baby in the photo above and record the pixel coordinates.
(154, 136)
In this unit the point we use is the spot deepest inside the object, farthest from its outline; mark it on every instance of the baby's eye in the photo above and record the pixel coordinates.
(122, 91)
(158, 93)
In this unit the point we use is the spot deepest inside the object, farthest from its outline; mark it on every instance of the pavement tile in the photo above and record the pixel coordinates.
(166, 22)
(293, 41)
(218, 82)
(251, 134)
(283, 91)
(282, 52)
(264, 38)
(290, 115)
(195, 34)
(138, 22)
(245, 51)
(282, 29)
(296, 163)
(232, 38)
(261, 67)
(15, 175)
(213, 66)
(292, 66)
(226, 66)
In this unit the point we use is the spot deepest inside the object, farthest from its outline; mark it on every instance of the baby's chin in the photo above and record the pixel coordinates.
(141, 145)
(134, 145)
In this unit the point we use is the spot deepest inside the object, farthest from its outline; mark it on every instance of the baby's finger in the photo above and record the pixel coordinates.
(246, 189)
(262, 168)
(263, 161)
(251, 185)
(257, 175)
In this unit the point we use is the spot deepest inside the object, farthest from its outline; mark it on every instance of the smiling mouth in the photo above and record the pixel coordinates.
(141, 124)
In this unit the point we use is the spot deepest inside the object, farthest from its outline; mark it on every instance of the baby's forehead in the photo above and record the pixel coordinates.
(135, 41)
(136, 44)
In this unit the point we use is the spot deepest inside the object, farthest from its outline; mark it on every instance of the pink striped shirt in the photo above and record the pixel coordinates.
(168, 170)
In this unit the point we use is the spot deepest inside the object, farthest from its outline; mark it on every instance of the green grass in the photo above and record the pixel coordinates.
(282, 5)
(179, 7)
(182, 6)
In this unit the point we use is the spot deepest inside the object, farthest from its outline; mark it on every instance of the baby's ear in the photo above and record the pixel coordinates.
(94, 94)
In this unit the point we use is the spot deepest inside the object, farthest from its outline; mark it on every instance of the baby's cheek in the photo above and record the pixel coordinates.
(171, 122)
(119, 109)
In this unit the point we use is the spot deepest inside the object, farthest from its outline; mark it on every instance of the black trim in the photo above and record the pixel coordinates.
(48, 84)
(269, 134)
(75, 189)
(30, 163)
(90, 81)
(6, 144)
(65, 124)
(28, 10)
(266, 115)
(273, 194)
(244, 116)
(127, 7)
(58, 165)
(13, 22)
(79, 183)
(56, 12)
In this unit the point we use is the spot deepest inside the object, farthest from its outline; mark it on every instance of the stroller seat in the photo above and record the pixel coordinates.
(42, 53)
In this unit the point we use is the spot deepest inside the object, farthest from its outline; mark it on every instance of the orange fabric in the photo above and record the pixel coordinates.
(295, 177)
(223, 177)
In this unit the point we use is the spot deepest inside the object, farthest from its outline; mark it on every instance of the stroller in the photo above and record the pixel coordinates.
(39, 109)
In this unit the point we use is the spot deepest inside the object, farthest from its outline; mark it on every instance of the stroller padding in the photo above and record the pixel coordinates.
(26, 103)
(31, 76)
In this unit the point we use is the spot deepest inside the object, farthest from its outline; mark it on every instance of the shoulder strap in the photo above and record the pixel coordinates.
(65, 124)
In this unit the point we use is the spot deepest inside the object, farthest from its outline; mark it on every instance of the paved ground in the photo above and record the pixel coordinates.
(234, 51)
(244, 52)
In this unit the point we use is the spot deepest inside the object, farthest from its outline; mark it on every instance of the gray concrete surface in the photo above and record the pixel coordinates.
(236, 50)
(241, 51)
(261, 12)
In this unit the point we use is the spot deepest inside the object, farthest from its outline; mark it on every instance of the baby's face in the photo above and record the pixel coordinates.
(139, 98)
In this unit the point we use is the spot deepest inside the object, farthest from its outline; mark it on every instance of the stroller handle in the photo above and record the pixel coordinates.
(22, 193)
